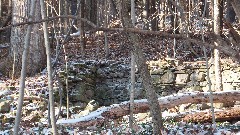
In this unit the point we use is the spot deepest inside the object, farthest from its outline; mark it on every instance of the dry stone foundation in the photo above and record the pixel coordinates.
(108, 82)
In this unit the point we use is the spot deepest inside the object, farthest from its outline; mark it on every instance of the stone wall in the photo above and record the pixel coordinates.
(108, 81)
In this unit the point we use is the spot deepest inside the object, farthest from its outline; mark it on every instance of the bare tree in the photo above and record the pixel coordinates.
(24, 67)
(131, 118)
(81, 27)
(207, 67)
(49, 69)
(217, 22)
(124, 9)
(105, 25)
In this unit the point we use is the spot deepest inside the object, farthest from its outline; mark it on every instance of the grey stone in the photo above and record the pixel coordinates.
(168, 77)
(4, 106)
(197, 76)
(182, 78)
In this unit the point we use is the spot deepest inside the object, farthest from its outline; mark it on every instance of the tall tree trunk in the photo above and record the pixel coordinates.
(217, 30)
(0, 8)
(105, 25)
(132, 89)
(37, 58)
(236, 7)
(146, 12)
(124, 7)
(81, 28)
(93, 11)
(49, 69)
(163, 11)
(153, 10)
(66, 20)
(24, 69)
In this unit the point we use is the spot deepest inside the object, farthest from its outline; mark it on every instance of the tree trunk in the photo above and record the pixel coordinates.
(146, 13)
(124, 8)
(132, 88)
(24, 68)
(106, 47)
(81, 28)
(36, 54)
(217, 30)
(153, 10)
(0, 8)
(93, 11)
(236, 7)
(49, 69)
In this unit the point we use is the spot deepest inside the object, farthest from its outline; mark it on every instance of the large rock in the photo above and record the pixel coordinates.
(197, 76)
(182, 78)
(168, 77)
(4, 106)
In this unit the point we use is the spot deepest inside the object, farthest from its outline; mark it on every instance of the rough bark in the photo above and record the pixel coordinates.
(124, 8)
(24, 69)
(236, 7)
(217, 28)
(106, 16)
(141, 106)
(37, 58)
(154, 24)
(81, 27)
(132, 89)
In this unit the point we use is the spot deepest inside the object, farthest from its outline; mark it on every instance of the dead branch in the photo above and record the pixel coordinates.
(141, 106)
(50, 19)
(224, 47)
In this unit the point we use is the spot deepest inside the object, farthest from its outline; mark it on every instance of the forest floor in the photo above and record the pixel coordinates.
(35, 111)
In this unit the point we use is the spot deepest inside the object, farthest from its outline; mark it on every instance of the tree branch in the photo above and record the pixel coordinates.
(223, 47)
(50, 19)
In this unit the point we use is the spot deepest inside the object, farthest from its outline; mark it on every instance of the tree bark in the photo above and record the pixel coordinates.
(37, 58)
(124, 8)
(24, 69)
(132, 88)
(81, 28)
(154, 24)
(236, 7)
(217, 22)
(106, 16)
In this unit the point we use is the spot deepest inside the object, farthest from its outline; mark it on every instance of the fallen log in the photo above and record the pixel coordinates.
(141, 106)
(228, 114)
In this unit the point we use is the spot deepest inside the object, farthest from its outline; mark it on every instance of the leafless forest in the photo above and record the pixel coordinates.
(119, 67)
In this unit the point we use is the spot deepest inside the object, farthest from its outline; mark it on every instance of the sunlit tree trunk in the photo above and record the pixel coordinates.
(37, 57)
(217, 22)
(24, 69)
